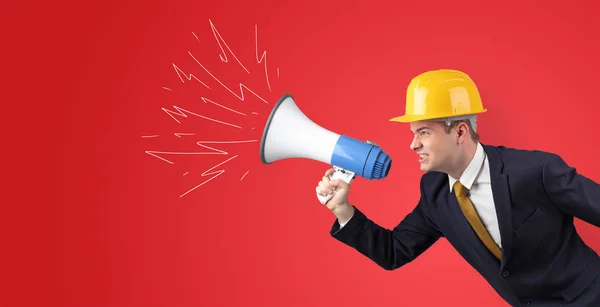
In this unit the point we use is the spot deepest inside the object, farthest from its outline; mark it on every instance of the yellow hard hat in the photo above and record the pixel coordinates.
(440, 94)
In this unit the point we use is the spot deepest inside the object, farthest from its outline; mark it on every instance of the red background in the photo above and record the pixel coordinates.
(90, 219)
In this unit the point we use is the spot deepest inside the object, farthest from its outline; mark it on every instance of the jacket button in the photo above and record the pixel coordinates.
(526, 302)
(505, 274)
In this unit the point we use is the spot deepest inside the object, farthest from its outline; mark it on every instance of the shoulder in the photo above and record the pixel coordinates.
(525, 166)
(433, 183)
(511, 152)
(519, 157)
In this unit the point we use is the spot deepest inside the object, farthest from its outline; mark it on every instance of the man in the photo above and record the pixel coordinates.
(508, 212)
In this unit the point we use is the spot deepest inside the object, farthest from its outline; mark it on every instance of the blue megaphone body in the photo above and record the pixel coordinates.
(288, 133)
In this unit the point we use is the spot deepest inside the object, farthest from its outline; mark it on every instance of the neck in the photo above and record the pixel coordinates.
(464, 157)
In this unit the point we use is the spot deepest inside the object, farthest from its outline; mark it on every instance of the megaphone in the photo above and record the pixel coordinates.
(288, 133)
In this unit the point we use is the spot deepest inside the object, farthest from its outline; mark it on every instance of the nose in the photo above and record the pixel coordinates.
(416, 143)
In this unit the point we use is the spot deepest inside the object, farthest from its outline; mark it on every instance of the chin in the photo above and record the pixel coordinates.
(427, 167)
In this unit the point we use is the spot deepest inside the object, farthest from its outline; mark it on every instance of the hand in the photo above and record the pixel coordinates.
(338, 204)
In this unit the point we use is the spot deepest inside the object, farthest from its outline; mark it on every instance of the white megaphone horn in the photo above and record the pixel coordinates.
(289, 133)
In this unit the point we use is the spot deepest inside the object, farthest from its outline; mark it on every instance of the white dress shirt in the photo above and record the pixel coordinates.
(476, 178)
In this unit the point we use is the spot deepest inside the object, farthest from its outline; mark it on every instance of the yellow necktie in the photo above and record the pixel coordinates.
(469, 211)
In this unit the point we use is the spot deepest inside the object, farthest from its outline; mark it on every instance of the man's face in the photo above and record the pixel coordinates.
(435, 147)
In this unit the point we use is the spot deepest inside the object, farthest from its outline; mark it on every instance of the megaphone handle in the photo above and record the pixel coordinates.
(339, 173)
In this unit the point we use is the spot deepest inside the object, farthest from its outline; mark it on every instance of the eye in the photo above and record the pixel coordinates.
(423, 133)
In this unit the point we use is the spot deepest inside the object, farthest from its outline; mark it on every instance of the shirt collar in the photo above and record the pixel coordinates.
(470, 174)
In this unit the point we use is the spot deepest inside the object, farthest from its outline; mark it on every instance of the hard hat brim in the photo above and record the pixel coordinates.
(409, 118)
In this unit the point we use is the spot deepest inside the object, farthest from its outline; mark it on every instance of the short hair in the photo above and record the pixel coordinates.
(450, 123)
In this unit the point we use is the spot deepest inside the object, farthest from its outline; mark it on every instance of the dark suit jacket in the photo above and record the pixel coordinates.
(544, 260)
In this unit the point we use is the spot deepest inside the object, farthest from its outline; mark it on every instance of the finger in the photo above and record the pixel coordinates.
(335, 184)
(320, 192)
(329, 172)
(324, 188)
(327, 181)
(338, 184)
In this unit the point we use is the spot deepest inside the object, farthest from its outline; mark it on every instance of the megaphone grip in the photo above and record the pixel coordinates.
(339, 173)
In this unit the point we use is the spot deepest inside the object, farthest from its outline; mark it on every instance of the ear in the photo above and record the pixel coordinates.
(462, 132)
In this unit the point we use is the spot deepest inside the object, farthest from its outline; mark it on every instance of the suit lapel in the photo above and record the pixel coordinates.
(501, 195)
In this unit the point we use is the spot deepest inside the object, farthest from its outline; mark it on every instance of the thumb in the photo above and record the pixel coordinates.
(339, 184)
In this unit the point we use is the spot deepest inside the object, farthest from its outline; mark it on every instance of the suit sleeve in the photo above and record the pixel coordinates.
(572, 192)
(393, 248)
